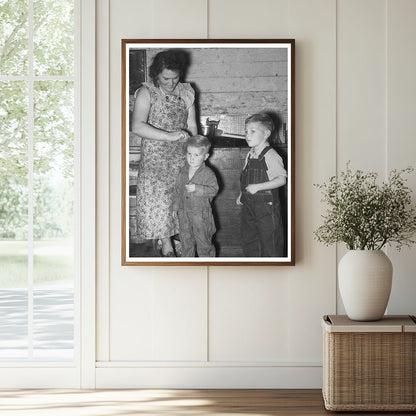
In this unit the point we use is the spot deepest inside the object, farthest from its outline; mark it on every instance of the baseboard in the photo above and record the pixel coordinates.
(209, 377)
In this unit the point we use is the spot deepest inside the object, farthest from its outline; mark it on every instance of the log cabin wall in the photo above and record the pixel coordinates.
(232, 83)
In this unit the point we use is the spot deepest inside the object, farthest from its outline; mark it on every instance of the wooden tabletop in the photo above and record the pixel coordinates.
(389, 323)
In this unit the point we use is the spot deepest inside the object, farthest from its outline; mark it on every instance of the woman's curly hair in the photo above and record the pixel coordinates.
(172, 59)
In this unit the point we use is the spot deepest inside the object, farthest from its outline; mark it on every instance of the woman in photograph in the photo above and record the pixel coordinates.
(164, 117)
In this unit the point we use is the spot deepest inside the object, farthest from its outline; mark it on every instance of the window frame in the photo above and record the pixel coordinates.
(80, 373)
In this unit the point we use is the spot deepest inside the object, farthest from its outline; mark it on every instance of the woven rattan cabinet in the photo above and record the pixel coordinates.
(369, 366)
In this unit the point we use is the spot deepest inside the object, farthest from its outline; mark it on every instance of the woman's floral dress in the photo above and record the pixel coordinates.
(160, 163)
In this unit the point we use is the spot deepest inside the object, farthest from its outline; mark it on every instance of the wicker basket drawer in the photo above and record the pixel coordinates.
(369, 366)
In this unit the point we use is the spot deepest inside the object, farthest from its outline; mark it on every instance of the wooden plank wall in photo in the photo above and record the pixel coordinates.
(238, 81)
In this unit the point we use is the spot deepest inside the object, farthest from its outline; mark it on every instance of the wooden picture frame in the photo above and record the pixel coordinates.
(231, 80)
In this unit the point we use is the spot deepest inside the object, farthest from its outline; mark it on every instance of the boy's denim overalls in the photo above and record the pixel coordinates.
(261, 219)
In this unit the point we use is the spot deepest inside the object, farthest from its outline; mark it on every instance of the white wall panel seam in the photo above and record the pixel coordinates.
(208, 21)
(336, 141)
(207, 313)
(387, 48)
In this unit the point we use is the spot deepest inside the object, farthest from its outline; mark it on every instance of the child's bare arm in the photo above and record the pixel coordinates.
(238, 200)
(264, 186)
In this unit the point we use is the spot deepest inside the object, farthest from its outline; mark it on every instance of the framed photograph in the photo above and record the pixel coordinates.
(208, 151)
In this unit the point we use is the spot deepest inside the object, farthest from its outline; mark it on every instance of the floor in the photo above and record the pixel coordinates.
(167, 402)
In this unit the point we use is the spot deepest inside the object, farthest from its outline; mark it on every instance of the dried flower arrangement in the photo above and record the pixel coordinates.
(366, 215)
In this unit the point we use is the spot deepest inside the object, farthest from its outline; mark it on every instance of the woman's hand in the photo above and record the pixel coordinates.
(179, 135)
(238, 200)
(142, 128)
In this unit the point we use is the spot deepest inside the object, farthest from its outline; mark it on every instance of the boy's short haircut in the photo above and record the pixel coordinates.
(262, 118)
(200, 142)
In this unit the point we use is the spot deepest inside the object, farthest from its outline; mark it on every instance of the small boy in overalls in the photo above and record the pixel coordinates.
(262, 175)
(195, 188)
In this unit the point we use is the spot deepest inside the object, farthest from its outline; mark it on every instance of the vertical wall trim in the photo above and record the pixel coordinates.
(88, 203)
(103, 180)
(77, 190)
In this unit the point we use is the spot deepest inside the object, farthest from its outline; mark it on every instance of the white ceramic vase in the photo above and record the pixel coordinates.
(364, 278)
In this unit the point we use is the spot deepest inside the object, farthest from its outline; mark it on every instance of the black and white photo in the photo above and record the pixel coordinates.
(208, 152)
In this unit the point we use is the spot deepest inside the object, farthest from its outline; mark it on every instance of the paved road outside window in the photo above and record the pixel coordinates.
(53, 324)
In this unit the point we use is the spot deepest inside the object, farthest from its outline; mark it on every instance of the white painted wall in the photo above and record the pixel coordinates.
(252, 326)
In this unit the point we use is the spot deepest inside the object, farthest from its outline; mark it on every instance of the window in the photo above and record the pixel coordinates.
(38, 185)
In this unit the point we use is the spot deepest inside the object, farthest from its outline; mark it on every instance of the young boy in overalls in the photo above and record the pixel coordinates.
(195, 187)
(263, 173)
